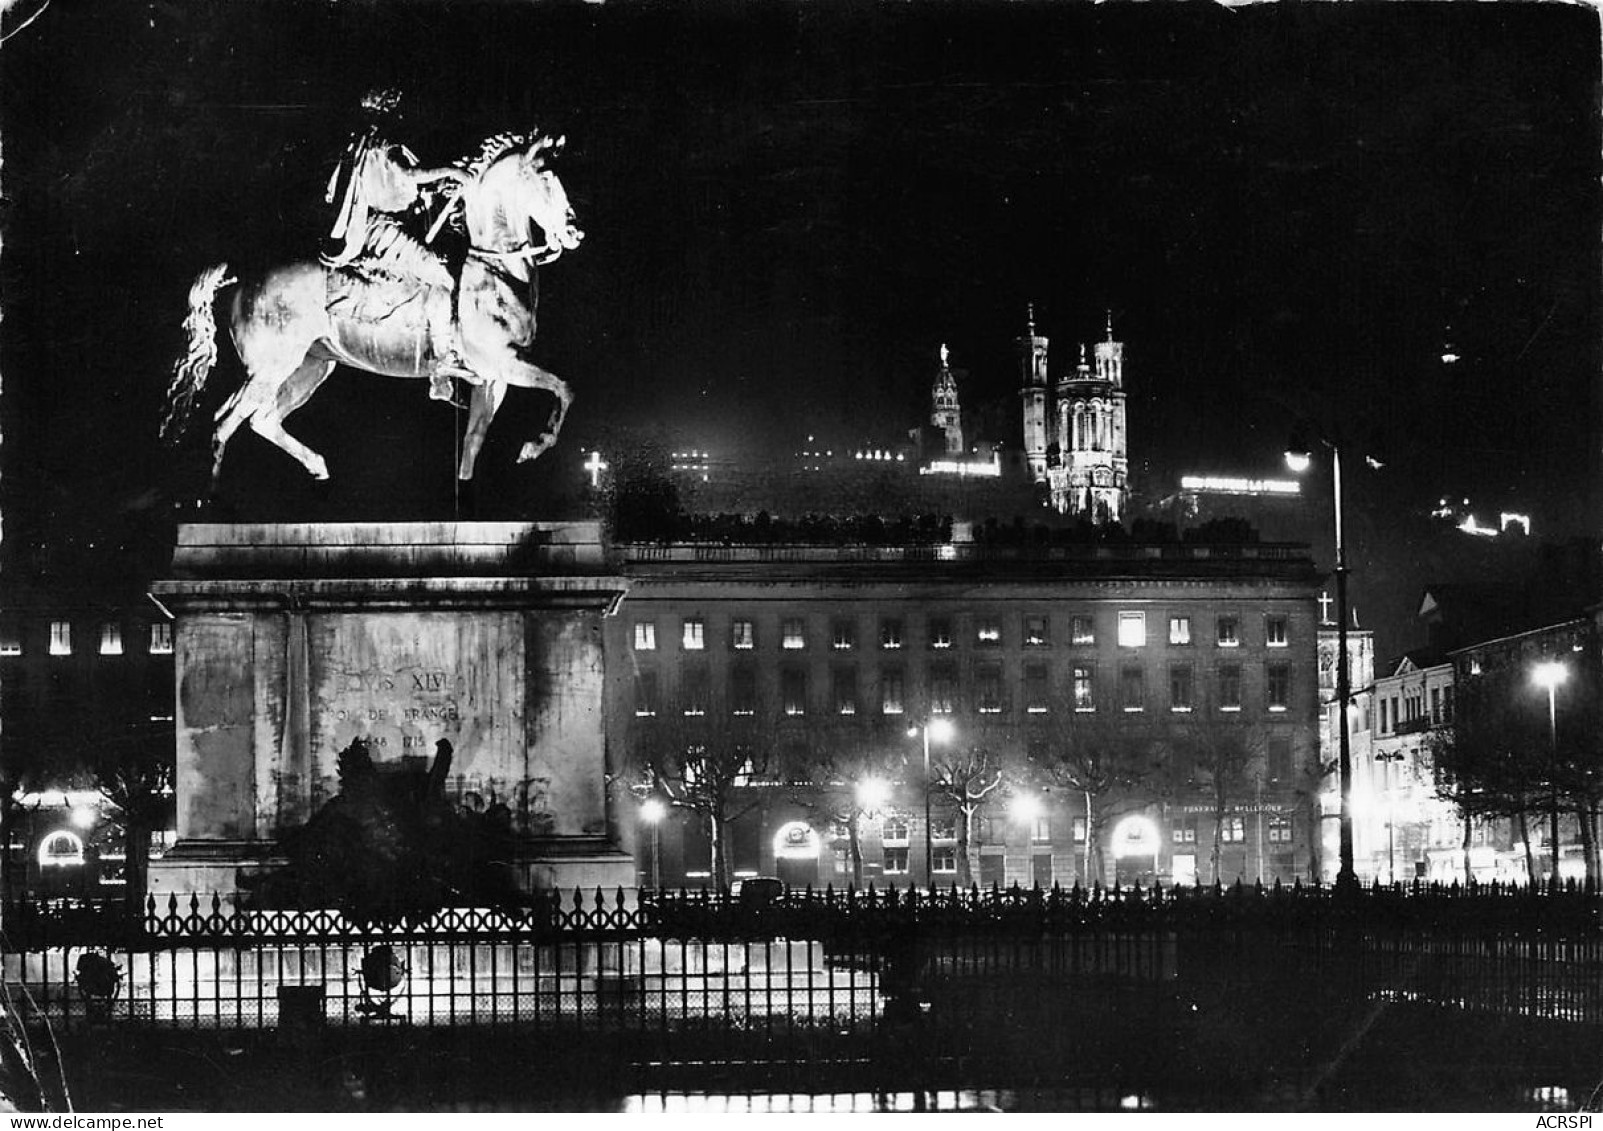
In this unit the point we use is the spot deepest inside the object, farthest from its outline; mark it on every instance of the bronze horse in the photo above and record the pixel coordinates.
(292, 324)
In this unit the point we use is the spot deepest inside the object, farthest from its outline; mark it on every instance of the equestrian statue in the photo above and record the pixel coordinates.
(380, 298)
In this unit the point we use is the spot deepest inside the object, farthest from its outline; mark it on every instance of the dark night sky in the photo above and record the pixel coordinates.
(1288, 209)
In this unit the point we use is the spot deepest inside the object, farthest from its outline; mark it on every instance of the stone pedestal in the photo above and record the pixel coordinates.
(292, 640)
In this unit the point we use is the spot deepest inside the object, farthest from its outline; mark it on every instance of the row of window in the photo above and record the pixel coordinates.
(1410, 707)
(943, 857)
(1037, 632)
(941, 692)
(896, 832)
(159, 643)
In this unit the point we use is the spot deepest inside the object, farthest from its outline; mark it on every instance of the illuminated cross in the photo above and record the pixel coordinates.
(595, 465)
(1324, 608)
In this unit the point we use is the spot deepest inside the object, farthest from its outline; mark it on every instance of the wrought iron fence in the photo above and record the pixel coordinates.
(812, 971)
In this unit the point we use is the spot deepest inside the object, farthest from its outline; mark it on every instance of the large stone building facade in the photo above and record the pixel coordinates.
(820, 660)
(82, 681)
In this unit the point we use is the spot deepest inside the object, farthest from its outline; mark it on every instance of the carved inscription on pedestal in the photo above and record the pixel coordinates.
(404, 681)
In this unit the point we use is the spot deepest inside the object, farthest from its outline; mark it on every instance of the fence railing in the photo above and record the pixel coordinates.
(808, 969)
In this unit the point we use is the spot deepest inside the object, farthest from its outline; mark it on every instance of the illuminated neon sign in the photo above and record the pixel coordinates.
(1226, 485)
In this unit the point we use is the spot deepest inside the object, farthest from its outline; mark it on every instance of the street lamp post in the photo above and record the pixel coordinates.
(1391, 815)
(1297, 458)
(942, 732)
(1549, 674)
(652, 812)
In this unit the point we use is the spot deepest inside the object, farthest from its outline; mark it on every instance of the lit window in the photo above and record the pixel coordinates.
(1280, 758)
(793, 634)
(1042, 829)
(645, 636)
(1132, 630)
(793, 691)
(1083, 631)
(743, 691)
(695, 634)
(111, 639)
(988, 633)
(1179, 630)
(161, 638)
(943, 691)
(645, 694)
(694, 692)
(1184, 832)
(10, 640)
(1132, 689)
(1077, 830)
(894, 831)
(943, 828)
(1279, 686)
(1229, 635)
(61, 849)
(743, 636)
(988, 697)
(1279, 830)
(1035, 689)
(890, 692)
(896, 861)
(1035, 632)
(60, 638)
(1230, 687)
(1233, 830)
(890, 634)
(1084, 696)
(1274, 631)
(1180, 698)
(944, 860)
(845, 691)
(940, 633)
(843, 636)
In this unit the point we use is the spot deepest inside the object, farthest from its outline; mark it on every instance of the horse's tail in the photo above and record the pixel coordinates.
(191, 370)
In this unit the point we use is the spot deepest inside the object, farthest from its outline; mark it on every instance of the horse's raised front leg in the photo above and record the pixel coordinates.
(558, 388)
(486, 399)
(508, 366)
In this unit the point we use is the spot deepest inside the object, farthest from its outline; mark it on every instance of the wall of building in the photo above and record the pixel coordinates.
(846, 652)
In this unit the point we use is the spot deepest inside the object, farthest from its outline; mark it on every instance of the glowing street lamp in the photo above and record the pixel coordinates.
(941, 730)
(1298, 459)
(652, 811)
(873, 794)
(1025, 808)
(1549, 674)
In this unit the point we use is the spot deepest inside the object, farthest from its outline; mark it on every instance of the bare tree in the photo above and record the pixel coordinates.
(834, 776)
(968, 779)
(705, 762)
(1105, 762)
(1222, 750)
(134, 772)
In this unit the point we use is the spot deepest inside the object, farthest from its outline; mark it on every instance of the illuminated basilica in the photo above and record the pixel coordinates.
(1074, 433)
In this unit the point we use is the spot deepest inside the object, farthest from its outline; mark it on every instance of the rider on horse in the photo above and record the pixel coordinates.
(377, 184)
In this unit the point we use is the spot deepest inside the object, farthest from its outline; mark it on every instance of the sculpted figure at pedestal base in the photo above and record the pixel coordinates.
(382, 303)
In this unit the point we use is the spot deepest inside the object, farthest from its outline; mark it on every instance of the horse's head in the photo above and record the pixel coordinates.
(512, 190)
(543, 199)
